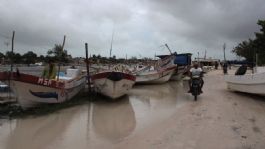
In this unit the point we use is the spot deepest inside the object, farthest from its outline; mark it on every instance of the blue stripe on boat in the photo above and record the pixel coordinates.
(44, 94)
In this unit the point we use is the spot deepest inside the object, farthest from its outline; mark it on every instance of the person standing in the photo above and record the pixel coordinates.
(50, 70)
(225, 67)
(216, 65)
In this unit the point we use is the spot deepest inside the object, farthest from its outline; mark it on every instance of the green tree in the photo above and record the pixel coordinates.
(99, 56)
(58, 54)
(248, 49)
(2, 57)
(29, 57)
(17, 58)
(41, 58)
(259, 43)
(9, 56)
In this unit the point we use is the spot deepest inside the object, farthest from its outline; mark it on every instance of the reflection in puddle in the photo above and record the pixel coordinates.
(97, 124)
(155, 103)
(39, 132)
(113, 120)
(164, 95)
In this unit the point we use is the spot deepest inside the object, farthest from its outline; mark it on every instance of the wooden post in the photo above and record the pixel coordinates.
(60, 56)
(87, 69)
(224, 46)
(12, 50)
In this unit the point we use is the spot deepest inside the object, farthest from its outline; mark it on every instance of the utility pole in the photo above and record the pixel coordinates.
(87, 68)
(12, 50)
(225, 64)
(111, 43)
(198, 56)
(224, 46)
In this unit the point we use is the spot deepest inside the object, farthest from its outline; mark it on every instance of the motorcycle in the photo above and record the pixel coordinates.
(195, 87)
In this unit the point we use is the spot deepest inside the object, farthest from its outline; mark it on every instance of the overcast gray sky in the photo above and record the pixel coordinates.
(140, 26)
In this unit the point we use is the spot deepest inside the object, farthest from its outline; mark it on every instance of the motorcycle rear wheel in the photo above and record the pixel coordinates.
(195, 97)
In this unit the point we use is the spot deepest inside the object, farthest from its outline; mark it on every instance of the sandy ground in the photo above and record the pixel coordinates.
(220, 119)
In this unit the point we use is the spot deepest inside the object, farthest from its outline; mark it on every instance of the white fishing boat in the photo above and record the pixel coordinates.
(183, 61)
(113, 83)
(248, 83)
(155, 76)
(32, 90)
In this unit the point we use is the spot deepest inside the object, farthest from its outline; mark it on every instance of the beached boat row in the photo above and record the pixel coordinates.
(32, 90)
(119, 80)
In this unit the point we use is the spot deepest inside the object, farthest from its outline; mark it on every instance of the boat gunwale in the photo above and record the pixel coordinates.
(105, 74)
(31, 79)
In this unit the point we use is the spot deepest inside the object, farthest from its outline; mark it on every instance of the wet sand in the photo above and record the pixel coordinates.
(150, 117)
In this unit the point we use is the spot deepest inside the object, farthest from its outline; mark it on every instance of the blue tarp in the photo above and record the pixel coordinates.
(181, 60)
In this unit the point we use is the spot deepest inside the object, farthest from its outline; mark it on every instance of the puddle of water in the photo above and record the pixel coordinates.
(97, 124)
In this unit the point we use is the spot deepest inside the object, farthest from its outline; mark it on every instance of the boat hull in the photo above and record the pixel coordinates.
(253, 89)
(155, 77)
(31, 91)
(176, 76)
(113, 84)
(249, 83)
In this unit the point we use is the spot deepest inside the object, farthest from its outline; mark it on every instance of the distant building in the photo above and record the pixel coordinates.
(206, 61)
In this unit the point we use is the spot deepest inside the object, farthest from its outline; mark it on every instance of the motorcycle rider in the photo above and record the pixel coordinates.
(196, 71)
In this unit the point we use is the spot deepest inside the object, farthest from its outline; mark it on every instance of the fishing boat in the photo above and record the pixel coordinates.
(33, 90)
(113, 83)
(183, 61)
(157, 76)
(249, 83)
(161, 71)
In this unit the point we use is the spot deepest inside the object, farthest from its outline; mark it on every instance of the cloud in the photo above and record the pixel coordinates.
(208, 24)
(140, 27)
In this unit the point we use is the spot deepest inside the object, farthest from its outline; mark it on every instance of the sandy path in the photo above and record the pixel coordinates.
(218, 120)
